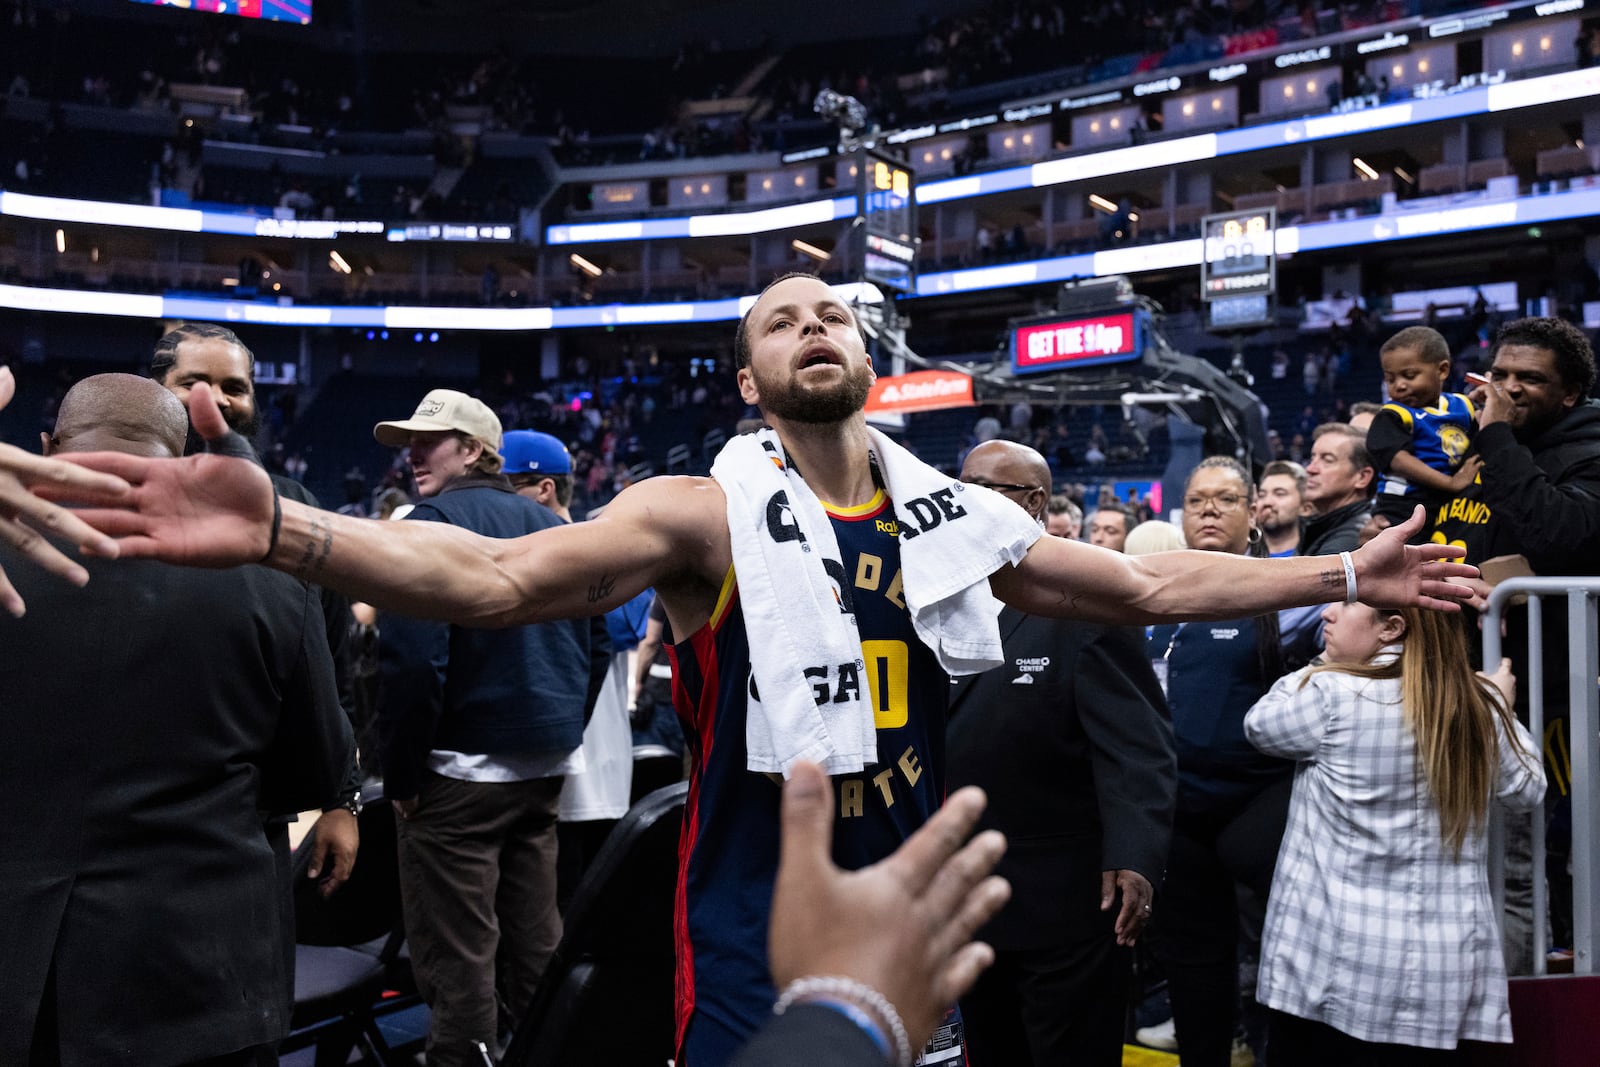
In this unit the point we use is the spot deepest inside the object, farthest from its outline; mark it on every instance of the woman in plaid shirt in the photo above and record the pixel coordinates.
(1380, 944)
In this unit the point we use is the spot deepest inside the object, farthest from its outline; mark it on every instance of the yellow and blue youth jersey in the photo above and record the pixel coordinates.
(1438, 435)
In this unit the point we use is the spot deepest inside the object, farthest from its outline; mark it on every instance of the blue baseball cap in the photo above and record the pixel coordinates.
(532, 452)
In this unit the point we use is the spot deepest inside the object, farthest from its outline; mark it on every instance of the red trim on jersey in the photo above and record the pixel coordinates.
(870, 510)
(702, 718)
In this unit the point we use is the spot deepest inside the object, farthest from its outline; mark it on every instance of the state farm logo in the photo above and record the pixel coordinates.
(895, 394)
(920, 391)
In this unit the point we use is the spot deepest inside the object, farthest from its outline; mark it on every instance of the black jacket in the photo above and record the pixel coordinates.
(1071, 740)
(1543, 497)
(148, 720)
(519, 689)
(1539, 499)
(1337, 531)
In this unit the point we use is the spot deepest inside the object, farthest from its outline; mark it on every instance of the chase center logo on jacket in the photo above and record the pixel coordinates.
(1027, 667)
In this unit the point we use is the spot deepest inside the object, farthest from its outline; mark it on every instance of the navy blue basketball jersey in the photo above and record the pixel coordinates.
(728, 856)
(1438, 435)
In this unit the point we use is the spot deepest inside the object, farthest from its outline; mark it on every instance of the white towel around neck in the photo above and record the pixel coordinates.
(952, 537)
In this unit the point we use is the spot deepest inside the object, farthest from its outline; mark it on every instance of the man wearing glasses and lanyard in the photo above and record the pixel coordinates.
(1071, 741)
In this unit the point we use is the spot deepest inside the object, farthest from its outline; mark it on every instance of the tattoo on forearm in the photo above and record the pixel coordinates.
(1333, 577)
(602, 589)
(1069, 601)
(319, 545)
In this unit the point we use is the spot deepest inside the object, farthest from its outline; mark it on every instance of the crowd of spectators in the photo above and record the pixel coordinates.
(1539, 464)
(637, 112)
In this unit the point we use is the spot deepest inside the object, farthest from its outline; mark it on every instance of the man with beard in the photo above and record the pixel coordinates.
(802, 360)
(1280, 504)
(1538, 497)
(201, 352)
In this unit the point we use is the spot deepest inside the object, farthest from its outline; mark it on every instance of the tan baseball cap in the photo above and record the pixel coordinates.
(444, 410)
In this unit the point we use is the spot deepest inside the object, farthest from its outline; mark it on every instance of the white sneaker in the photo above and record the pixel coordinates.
(1162, 1036)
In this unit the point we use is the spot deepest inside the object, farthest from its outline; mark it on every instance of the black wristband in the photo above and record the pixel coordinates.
(277, 524)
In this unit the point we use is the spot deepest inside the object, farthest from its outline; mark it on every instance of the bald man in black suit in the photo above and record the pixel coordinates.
(147, 731)
(1071, 740)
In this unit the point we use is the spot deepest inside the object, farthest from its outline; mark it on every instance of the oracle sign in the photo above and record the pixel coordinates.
(1052, 344)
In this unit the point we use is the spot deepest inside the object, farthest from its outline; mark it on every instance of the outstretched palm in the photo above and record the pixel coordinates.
(1401, 575)
(206, 510)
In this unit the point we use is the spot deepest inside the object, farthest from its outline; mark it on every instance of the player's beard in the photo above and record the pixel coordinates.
(821, 404)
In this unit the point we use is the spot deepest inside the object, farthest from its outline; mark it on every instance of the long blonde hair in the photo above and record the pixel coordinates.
(1452, 713)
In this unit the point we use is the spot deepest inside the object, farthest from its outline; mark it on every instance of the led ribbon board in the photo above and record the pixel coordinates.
(271, 10)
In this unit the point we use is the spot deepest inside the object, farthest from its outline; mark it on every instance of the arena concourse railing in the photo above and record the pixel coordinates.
(1583, 644)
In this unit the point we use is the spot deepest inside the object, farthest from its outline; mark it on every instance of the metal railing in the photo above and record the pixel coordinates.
(1583, 682)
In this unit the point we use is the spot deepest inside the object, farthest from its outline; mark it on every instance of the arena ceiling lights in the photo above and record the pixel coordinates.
(140, 306)
(726, 224)
(1506, 96)
(193, 220)
(1342, 233)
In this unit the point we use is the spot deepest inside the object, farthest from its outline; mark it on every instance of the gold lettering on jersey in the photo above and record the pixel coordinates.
(852, 798)
(909, 766)
(905, 772)
(881, 780)
(868, 570)
(887, 526)
(869, 576)
(896, 592)
(1472, 512)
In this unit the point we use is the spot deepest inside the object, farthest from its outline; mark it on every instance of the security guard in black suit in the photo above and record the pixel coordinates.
(150, 721)
(1071, 740)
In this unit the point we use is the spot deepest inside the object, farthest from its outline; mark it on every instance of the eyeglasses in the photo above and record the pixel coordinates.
(1224, 503)
(1002, 487)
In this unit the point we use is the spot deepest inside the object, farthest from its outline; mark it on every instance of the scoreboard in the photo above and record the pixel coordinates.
(1239, 259)
(887, 195)
(1239, 268)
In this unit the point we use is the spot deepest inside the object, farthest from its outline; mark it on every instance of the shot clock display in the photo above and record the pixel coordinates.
(888, 221)
(1239, 257)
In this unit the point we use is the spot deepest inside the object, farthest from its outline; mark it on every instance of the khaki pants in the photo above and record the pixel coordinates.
(478, 884)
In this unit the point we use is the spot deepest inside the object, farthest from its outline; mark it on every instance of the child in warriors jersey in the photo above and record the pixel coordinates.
(1419, 440)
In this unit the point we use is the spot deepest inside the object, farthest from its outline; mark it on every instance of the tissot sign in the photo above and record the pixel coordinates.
(1052, 344)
